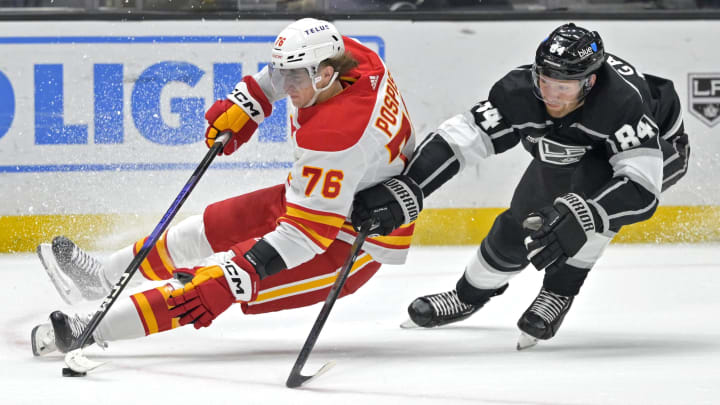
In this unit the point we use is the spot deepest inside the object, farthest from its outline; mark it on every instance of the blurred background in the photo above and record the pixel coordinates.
(424, 8)
(102, 103)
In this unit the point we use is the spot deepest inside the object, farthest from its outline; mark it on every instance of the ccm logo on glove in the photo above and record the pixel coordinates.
(237, 278)
(241, 113)
(250, 107)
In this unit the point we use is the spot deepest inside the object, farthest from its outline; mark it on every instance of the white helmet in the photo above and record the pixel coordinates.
(305, 43)
(302, 46)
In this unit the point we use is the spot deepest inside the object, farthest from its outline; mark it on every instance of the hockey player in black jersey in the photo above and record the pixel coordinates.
(606, 140)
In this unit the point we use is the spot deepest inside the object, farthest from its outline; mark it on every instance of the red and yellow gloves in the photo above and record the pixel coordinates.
(212, 290)
(241, 113)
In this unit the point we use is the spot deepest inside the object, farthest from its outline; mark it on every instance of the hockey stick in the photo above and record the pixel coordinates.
(78, 365)
(296, 379)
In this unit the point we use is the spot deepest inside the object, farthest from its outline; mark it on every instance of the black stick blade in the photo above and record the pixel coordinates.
(295, 380)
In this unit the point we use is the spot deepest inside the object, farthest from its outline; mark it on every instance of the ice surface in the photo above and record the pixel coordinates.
(644, 330)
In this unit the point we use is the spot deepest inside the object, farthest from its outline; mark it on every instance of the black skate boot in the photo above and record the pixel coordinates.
(75, 274)
(59, 334)
(543, 318)
(444, 308)
(67, 329)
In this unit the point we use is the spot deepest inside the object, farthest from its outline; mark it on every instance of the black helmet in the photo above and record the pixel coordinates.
(570, 52)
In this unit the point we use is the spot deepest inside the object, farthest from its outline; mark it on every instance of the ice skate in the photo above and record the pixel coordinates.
(42, 339)
(525, 341)
(543, 318)
(444, 308)
(60, 334)
(75, 274)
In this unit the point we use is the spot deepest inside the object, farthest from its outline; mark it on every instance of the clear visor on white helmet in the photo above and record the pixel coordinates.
(284, 80)
(287, 81)
(559, 92)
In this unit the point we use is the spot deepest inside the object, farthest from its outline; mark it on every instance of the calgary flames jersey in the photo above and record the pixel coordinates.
(350, 142)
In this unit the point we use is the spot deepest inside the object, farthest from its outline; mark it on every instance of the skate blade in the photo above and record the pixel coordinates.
(409, 324)
(62, 283)
(526, 341)
(78, 363)
(37, 348)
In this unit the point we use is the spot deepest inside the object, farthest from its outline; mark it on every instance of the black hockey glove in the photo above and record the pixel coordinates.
(394, 202)
(559, 231)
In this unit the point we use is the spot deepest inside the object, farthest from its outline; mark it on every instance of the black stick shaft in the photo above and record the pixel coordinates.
(149, 244)
(295, 379)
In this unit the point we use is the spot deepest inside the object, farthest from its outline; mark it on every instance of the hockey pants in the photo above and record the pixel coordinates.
(502, 253)
(222, 225)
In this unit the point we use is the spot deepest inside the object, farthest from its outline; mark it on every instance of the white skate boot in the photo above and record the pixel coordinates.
(75, 274)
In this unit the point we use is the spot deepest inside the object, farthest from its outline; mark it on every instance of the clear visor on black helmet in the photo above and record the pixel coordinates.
(556, 91)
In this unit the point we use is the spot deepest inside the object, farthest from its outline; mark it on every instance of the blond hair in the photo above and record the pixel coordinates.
(342, 64)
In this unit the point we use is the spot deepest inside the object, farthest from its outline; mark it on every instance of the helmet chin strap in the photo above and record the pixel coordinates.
(318, 91)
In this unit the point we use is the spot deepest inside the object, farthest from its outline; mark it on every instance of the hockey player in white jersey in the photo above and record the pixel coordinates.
(606, 140)
(275, 248)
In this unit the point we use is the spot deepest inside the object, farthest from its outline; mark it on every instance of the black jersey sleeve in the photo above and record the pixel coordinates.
(433, 164)
(462, 140)
(666, 107)
(636, 158)
(674, 142)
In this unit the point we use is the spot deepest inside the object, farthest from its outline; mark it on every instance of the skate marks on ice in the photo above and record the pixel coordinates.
(633, 336)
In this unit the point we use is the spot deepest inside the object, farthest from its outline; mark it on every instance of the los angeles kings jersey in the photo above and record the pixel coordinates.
(623, 117)
(350, 142)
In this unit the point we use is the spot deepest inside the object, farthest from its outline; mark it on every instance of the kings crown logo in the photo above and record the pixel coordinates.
(704, 93)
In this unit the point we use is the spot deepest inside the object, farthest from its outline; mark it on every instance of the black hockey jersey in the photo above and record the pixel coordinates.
(624, 117)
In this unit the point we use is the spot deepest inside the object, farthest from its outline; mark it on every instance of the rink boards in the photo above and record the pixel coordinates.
(101, 123)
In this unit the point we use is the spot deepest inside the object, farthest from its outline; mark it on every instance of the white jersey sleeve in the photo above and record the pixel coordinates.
(319, 194)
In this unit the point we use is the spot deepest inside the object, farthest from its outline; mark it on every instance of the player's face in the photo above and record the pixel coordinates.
(296, 83)
(560, 96)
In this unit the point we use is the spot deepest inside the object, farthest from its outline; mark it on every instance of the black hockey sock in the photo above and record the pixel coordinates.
(564, 279)
(475, 296)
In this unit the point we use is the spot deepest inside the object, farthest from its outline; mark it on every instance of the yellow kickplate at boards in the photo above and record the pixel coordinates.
(436, 226)
(670, 224)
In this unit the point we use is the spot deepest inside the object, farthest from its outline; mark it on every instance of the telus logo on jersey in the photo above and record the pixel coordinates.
(559, 154)
(704, 97)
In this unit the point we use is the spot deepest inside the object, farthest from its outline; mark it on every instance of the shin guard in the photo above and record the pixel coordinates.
(152, 307)
(158, 265)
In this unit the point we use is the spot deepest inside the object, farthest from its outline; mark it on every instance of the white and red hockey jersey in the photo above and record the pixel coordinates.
(350, 142)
